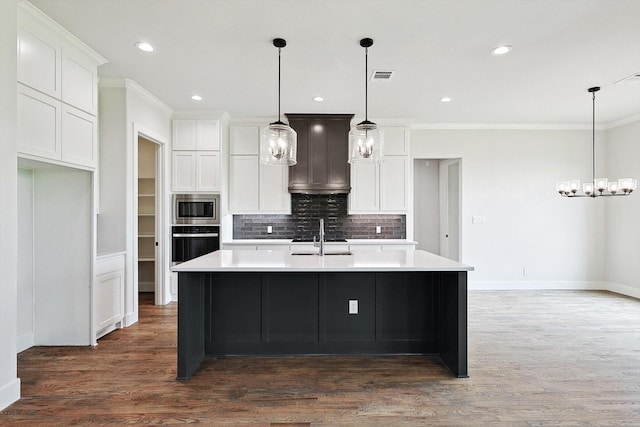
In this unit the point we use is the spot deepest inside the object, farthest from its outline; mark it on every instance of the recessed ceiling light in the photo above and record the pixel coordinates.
(501, 50)
(144, 46)
(445, 99)
(196, 97)
(318, 98)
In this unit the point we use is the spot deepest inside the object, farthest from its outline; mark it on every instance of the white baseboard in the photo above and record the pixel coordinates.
(9, 393)
(25, 341)
(531, 285)
(627, 290)
(130, 319)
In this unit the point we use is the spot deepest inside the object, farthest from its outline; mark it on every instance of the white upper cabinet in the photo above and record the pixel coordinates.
(383, 187)
(396, 140)
(196, 163)
(243, 140)
(196, 134)
(79, 82)
(39, 124)
(57, 92)
(254, 187)
(38, 59)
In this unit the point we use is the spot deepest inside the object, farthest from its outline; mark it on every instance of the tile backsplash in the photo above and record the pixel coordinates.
(303, 223)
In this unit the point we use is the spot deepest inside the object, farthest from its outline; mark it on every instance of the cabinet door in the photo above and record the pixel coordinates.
(364, 187)
(207, 135)
(38, 126)
(244, 139)
(184, 134)
(79, 83)
(38, 59)
(109, 299)
(208, 171)
(243, 184)
(274, 196)
(184, 171)
(395, 141)
(393, 183)
(79, 137)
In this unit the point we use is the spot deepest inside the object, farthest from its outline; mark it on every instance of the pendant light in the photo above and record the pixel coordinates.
(596, 187)
(366, 141)
(278, 142)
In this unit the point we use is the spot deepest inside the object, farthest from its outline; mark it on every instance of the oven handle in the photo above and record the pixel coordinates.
(195, 234)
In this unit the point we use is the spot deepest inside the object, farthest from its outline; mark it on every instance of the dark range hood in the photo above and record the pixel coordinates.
(323, 150)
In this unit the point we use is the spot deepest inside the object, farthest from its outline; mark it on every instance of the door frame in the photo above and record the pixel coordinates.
(162, 292)
(445, 194)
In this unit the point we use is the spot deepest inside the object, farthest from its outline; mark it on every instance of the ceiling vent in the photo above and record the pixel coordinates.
(381, 75)
(631, 80)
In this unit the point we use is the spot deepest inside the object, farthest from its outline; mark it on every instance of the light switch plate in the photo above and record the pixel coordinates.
(478, 220)
(353, 306)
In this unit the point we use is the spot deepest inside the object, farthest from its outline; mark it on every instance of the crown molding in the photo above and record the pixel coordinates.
(499, 126)
(622, 122)
(134, 87)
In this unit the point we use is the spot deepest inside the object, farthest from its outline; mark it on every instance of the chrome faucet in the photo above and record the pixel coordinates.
(320, 244)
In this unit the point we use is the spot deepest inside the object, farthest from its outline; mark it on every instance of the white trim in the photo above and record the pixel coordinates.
(25, 341)
(200, 115)
(501, 126)
(627, 290)
(135, 87)
(130, 319)
(61, 31)
(9, 393)
(531, 285)
(622, 122)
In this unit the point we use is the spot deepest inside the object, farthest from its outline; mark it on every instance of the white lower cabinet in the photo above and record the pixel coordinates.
(196, 171)
(108, 294)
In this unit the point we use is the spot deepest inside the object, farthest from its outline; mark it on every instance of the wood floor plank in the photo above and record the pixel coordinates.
(560, 358)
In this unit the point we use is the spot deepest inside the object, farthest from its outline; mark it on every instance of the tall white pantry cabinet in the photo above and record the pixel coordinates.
(57, 134)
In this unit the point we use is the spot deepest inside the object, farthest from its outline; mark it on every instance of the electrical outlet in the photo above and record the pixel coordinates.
(378, 229)
(353, 306)
(269, 229)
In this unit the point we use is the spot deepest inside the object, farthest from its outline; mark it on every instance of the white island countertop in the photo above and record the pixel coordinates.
(278, 260)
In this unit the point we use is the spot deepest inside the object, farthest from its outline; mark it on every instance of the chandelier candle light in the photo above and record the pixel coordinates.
(597, 186)
(278, 142)
(366, 141)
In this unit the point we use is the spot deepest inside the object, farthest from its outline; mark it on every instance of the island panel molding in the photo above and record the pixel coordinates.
(274, 303)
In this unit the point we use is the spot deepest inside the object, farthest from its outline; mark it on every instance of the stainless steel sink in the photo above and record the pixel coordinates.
(326, 253)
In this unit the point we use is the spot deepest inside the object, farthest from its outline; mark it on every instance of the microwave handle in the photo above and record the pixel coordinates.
(195, 234)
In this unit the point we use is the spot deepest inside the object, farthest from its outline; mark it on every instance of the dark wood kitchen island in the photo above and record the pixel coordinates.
(247, 302)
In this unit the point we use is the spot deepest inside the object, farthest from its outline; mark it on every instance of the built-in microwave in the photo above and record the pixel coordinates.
(196, 209)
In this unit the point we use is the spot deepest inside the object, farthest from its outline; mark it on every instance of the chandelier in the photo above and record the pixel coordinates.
(596, 187)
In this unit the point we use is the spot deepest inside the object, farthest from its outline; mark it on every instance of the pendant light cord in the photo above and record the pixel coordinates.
(366, 83)
(593, 135)
(279, 116)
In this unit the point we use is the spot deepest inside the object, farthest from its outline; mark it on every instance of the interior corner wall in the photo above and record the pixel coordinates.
(622, 213)
(426, 206)
(532, 238)
(112, 180)
(9, 381)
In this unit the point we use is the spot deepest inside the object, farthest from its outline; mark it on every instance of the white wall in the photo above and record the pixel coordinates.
(426, 227)
(509, 176)
(9, 381)
(26, 285)
(622, 213)
(127, 110)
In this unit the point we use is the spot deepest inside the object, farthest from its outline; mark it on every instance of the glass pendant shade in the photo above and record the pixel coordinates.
(278, 144)
(366, 143)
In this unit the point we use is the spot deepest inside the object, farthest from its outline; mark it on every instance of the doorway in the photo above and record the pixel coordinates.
(437, 206)
(148, 230)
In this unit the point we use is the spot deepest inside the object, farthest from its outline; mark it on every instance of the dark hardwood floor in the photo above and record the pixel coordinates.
(569, 358)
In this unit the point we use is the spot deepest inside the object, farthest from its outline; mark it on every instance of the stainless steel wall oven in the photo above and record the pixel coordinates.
(196, 226)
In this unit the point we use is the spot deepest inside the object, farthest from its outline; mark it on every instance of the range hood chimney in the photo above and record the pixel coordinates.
(323, 151)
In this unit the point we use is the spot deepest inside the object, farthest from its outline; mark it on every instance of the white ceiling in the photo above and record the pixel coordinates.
(222, 50)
